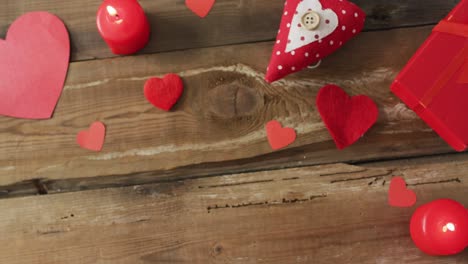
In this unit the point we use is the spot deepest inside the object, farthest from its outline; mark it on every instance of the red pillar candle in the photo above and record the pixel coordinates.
(123, 25)
(440, 227)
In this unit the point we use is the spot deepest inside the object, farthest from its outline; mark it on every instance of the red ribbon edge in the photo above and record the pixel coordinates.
(459, 61)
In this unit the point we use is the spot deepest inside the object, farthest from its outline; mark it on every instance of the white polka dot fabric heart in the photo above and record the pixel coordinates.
(298, 36)
(311, 30)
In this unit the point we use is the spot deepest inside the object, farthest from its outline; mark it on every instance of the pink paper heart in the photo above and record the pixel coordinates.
(200, 7)
(33, 66)
(92, 139)
(278, 136)
(399, 195)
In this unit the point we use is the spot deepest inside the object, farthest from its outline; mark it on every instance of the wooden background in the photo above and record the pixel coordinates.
(200, 184)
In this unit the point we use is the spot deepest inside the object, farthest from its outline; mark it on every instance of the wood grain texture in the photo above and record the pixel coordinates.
(174, 27)
(322, 214)
(219, 123)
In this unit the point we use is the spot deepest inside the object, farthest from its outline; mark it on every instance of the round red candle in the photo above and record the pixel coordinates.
(440, 227)
(123, 25)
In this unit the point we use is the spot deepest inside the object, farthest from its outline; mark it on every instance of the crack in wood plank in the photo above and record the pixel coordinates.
(457, 180)
(343, 172)
(290, 179)
(40, 186)
(234, 184)
(265, 203)
(361, 178)
(51, 232)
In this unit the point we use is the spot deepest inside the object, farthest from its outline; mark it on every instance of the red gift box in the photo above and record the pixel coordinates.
(434, 83)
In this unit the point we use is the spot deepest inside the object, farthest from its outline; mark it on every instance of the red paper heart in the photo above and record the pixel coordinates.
(164, 93)
(92, 139)
(297, 47)
(33, 66)
(399, 195)
(347, 118)
(279, 137)
(200, 7)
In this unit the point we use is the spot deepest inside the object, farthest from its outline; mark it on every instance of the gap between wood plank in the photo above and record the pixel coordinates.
(238, 20)
(248, 42)
(45, 186)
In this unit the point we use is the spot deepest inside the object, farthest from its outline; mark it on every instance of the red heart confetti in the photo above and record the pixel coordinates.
(278, 136)
(164, 93)
(92, 139)
(347, 118)
(311, 30)
(33, 66)
(399, 195)
(200, 7)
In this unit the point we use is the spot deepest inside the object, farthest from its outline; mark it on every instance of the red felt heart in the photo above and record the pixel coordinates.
(347, 118)
(33, 65)
(164, 93)
(92, 139)
(279, 137)
(200, 7)
(399, 195)
(298, 46)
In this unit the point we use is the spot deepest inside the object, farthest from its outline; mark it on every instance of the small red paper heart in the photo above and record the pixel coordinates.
(92, 139)
(399, 195)
(33, 66)
(279, 137)
(200, 7)
(164, 93)
(347, 118)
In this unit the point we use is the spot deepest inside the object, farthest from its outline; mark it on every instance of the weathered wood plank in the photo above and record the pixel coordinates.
(211, 126)
(323, 214)
(231, 21)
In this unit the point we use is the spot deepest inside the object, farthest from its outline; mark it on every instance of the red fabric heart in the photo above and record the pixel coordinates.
(164, 93)
(399, 195)
(200, 7)
(92, 139)
(33, 66)
(279, 137)
(347, 118)
(296, 47)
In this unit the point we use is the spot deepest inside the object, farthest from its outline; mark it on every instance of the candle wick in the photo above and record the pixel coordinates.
(113, 13)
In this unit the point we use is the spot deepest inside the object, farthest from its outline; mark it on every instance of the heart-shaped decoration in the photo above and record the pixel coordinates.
(347, 118)
(278, 136)
(399, 195)
(298, 36)
(300, 44)
(164, 93)
(33, 66)
(200, 7)
(92, 139)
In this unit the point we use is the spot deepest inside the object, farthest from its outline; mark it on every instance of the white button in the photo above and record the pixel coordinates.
(310, 20)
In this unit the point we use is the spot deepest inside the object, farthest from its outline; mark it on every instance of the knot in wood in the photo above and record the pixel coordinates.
(233, 100)
(217, 250)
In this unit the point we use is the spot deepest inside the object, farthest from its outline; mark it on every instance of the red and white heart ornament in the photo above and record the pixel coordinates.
(311, 30)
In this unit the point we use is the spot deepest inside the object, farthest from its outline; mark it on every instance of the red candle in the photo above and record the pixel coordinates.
(123, 25)
(440, 227)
